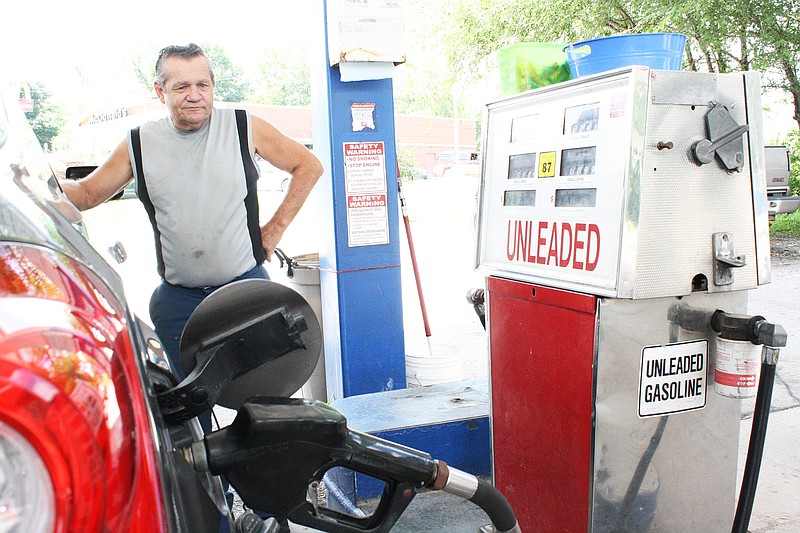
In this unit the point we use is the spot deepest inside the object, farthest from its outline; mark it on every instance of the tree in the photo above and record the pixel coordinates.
(231, 84)
(284, 77)
(46, 119)
(759, 35)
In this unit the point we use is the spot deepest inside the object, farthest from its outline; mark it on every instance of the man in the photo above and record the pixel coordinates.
(197, 185)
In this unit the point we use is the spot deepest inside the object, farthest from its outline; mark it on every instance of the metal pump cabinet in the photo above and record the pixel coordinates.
(614, 211)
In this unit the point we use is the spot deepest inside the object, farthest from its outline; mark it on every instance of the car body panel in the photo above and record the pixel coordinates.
(70, 344)
(468, 163)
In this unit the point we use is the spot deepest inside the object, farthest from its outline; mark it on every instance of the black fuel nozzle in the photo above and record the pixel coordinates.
(755, 329)
(476, 297)
(278, 449)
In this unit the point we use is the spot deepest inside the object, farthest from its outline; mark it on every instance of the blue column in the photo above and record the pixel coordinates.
(360, 285)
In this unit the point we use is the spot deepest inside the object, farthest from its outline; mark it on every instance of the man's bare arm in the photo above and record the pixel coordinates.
(106, 180)
(290, 156)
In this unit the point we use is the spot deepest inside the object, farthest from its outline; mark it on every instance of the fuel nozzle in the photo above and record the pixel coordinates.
(276, 448)
(476, 297)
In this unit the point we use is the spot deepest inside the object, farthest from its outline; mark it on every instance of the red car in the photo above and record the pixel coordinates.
(97, 435)
(83, 446)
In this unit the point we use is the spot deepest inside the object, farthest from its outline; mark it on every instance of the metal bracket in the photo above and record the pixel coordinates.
(724, 139)
(724, 258)
(117, 251)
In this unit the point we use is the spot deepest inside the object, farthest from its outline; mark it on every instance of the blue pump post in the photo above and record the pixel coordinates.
(360, 284)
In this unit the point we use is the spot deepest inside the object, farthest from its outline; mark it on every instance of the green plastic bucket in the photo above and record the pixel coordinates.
(526, 66)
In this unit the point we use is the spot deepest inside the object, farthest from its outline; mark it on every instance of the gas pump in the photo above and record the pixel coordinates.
(622, 223)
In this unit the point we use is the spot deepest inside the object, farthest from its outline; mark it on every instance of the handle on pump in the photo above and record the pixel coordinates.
(578, 51)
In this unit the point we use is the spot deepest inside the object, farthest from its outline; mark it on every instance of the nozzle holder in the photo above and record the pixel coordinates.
(754, 329)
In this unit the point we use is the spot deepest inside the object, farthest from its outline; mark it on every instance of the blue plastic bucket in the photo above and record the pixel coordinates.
(662, 51)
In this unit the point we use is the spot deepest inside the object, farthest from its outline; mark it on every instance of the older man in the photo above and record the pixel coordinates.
(196, 176)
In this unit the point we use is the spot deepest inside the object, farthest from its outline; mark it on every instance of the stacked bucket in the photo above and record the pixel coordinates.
(526, 66)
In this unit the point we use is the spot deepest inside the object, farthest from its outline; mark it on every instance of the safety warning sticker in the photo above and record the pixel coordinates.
(367, 195)
(673, 378)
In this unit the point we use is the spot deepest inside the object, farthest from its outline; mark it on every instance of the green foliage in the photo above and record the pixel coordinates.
(284, 77)
(406, 162)
(420, 89)
(46, 119)
(144, 69)
(786, 225)
(231, 83)
(792, 142)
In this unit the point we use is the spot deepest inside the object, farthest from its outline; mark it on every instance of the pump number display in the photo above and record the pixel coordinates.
(547, 164)
(673, 378)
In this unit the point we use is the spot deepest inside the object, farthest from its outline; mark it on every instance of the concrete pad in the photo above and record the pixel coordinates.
(777, 503)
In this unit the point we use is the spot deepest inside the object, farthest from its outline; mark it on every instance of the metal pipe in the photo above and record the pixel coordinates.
(414, 266)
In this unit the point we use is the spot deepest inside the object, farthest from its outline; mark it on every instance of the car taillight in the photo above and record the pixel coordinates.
(70, 400)
(26, 491)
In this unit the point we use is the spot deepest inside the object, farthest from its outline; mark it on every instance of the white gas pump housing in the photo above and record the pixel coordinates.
(617, 213)
(593, 185)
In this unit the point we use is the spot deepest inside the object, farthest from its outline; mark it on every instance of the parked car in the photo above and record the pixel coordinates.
(419, 174)
(779, 198)
(83, 443)
(272, 178)
(468, 163)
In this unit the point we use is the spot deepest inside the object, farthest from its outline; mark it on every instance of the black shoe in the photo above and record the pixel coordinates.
(250, 522)
(277, 525)
(284, 523)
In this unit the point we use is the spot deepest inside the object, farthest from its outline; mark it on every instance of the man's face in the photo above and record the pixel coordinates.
(188, 91)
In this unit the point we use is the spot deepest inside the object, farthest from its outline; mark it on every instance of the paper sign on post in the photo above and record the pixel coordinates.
(367, 199)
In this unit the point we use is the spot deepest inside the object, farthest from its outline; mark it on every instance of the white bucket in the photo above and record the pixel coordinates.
(444, 365)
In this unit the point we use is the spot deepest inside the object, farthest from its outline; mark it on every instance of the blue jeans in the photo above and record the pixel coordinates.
(170, 308)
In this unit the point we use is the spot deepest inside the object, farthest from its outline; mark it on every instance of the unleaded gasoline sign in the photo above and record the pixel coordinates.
(673, 378)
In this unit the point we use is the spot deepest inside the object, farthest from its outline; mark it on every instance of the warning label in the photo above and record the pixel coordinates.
(365, 168)
(367, 200)
(673, 378)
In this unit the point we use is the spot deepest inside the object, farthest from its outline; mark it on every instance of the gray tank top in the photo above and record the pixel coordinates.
(203, 210)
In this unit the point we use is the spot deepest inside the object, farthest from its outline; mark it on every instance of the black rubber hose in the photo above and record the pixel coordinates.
(495, 505)
(755, 450)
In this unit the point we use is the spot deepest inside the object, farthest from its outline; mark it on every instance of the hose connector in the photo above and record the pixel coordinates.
(196, 456)
(769, 334)
(755, 329)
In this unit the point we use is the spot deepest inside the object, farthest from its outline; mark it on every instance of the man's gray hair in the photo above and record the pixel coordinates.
(186, 52)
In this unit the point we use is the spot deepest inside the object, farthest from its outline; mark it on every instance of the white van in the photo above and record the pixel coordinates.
(779, 198)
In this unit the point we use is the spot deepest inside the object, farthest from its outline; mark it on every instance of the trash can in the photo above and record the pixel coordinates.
(302, 275)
